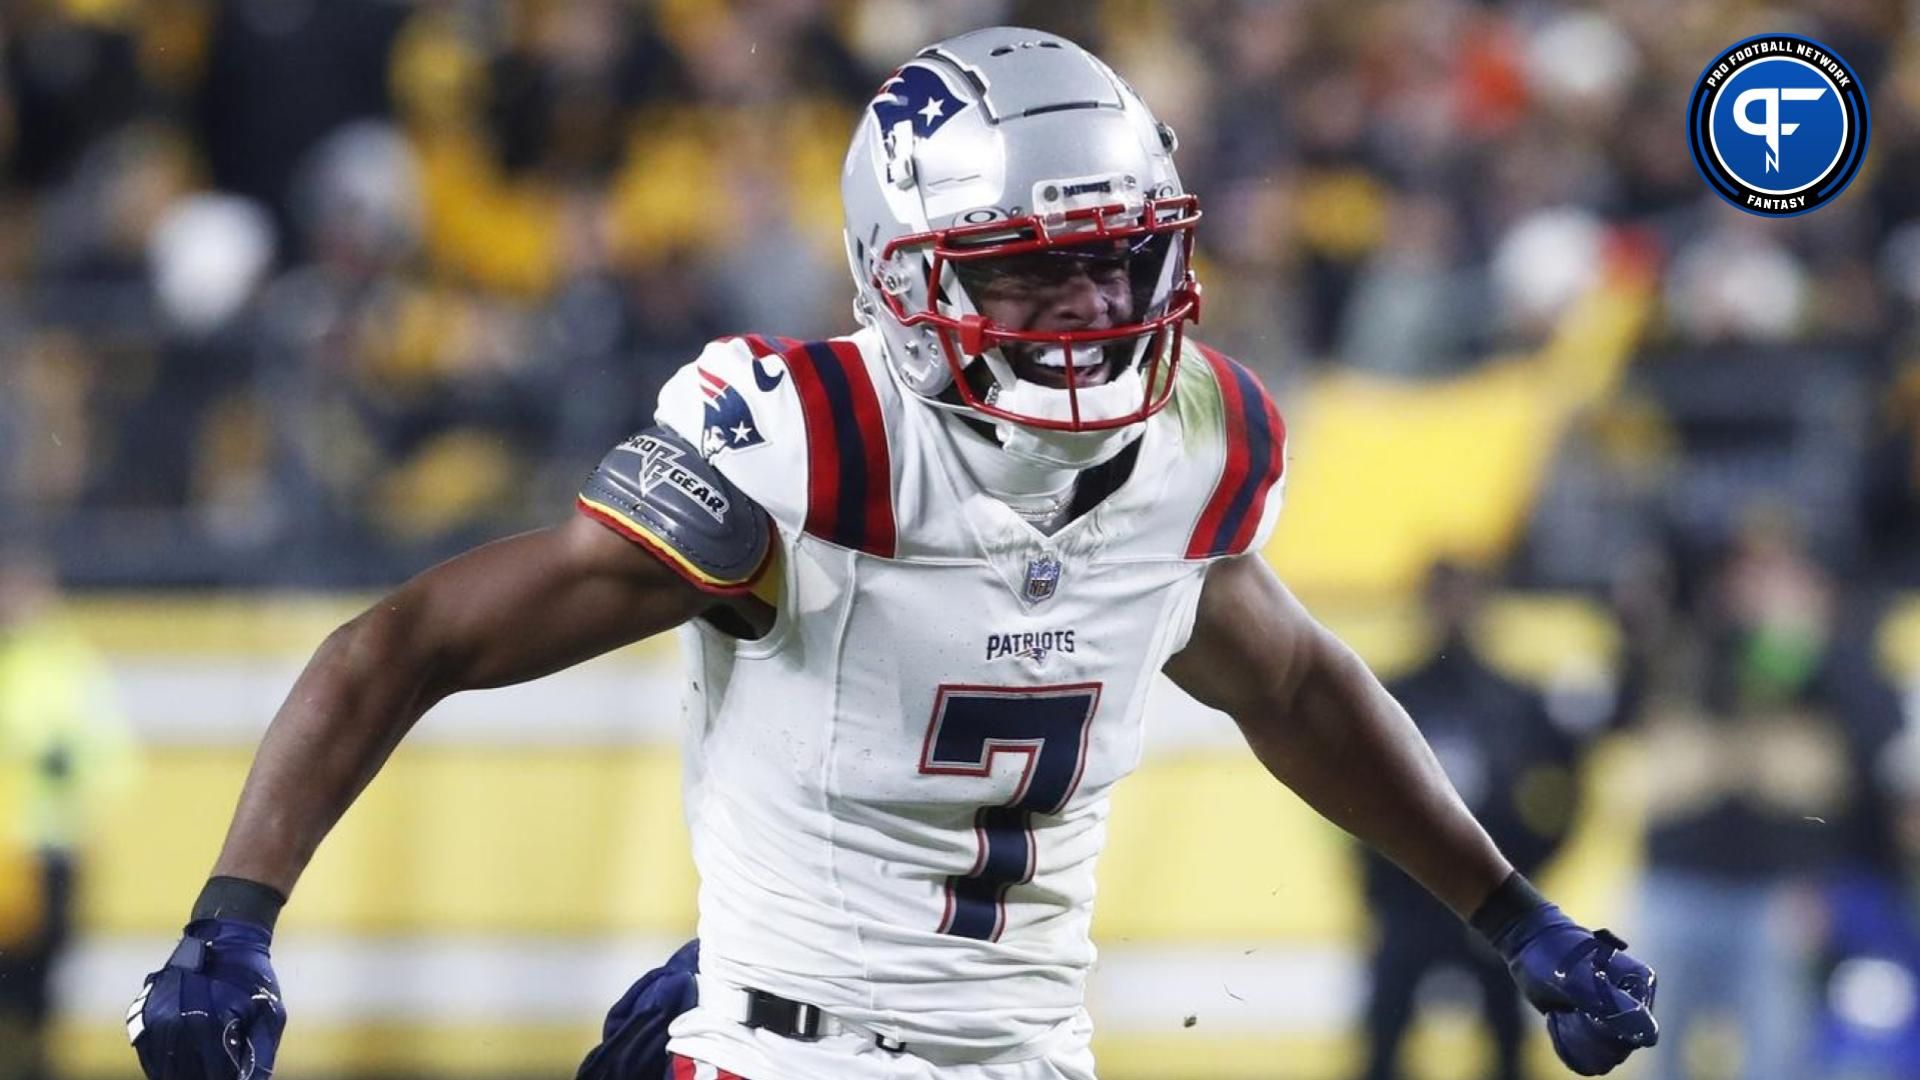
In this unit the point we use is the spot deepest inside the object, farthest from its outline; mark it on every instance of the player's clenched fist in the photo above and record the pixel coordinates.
(213, 1012)
(1598, 999)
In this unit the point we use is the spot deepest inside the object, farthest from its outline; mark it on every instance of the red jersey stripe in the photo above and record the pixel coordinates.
(1271, 470)
(823, 444)
(880, 536)
(761, 345)
(1234, 473)
(1255, 461)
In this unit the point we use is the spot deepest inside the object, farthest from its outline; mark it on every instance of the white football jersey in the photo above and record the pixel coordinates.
(897, 795)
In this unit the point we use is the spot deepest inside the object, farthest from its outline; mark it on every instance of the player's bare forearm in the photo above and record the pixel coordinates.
(1324, 726)
(503, 613)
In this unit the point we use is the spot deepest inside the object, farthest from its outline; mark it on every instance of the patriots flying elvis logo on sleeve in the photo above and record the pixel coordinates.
(918, 94)
(729, 423)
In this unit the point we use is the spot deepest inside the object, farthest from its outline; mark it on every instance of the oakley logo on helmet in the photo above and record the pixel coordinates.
(916, 94)
(1778, 125)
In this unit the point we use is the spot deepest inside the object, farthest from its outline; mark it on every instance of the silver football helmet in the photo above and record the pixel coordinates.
(1012, 152)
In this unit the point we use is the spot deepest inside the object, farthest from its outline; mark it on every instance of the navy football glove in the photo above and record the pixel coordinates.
(1598, 1000)
(213, 1012)
(634, 1041)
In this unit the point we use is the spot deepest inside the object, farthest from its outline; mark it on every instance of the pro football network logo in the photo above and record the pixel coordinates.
(1778, 125)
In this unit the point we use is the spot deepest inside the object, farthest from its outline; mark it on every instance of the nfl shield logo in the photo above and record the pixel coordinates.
(1043, 577)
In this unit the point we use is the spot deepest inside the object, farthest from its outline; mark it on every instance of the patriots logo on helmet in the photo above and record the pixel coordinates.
(916, 94)
(729, 423)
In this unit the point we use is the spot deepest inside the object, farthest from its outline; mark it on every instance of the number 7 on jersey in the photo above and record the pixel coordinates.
(971, 725)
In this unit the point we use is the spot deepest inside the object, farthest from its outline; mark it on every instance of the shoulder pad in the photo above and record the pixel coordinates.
(656, 490)
(1239, 514)
(735, 403)
(800, 427)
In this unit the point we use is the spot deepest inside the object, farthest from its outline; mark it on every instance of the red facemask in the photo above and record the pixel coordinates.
(1158, 230)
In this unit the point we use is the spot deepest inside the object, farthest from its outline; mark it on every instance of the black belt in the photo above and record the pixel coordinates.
(799, 1020)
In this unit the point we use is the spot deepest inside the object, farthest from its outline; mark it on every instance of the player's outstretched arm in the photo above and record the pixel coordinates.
(1323, 725)
(503, 613)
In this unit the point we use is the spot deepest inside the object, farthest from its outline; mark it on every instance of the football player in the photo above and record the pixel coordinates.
(924, 575)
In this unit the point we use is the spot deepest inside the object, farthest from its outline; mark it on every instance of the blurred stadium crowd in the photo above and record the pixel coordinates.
(305, 292)
(309, 292)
